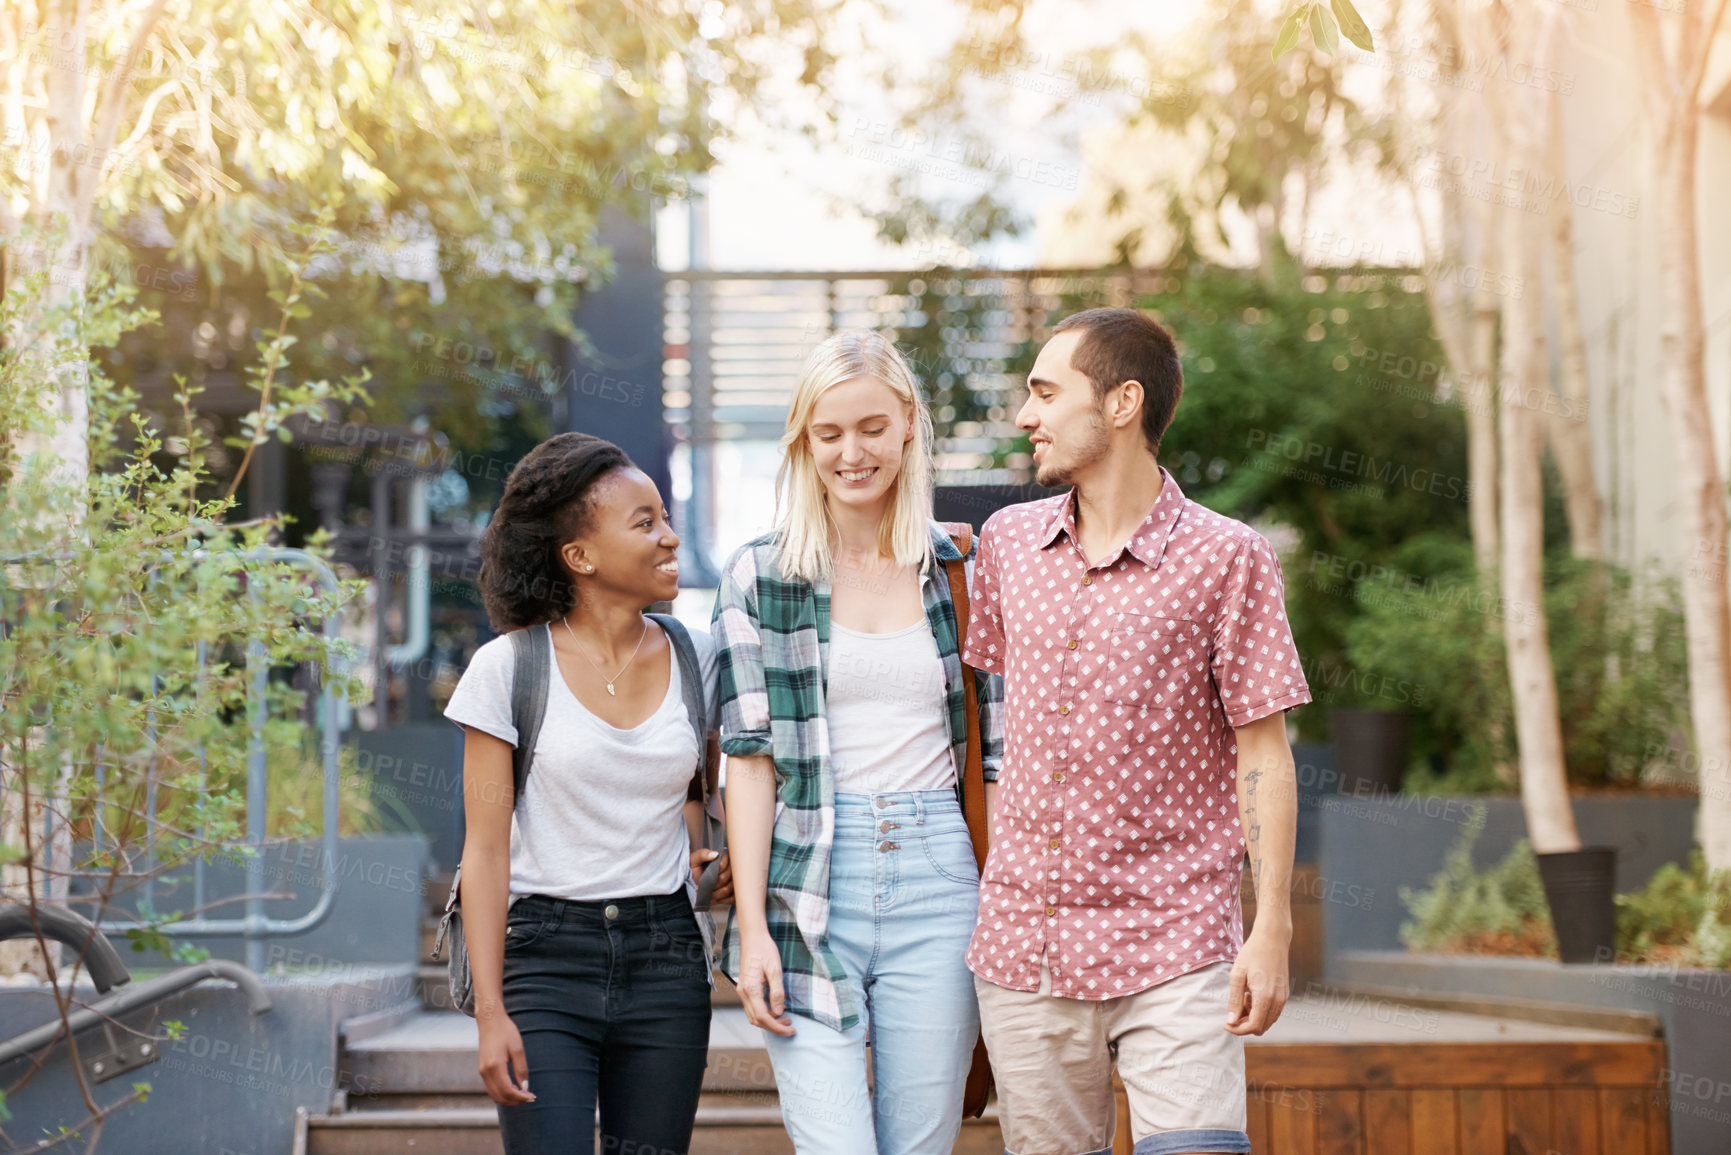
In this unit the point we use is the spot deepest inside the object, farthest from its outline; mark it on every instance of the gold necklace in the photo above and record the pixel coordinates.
(579, 647)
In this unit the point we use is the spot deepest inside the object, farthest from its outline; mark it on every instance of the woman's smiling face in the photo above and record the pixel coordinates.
(856, 436)
(627, 544)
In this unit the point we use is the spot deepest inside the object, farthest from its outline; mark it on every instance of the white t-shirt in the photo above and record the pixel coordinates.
(601, 815)
(887, 711)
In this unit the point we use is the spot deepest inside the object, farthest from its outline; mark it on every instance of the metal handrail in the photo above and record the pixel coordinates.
(135, 996)
(74, 930)
(254, 926)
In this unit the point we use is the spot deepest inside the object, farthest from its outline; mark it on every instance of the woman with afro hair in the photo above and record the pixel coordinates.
(590, 969)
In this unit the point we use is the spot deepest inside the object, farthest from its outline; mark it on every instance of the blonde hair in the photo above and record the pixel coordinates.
(804, 526)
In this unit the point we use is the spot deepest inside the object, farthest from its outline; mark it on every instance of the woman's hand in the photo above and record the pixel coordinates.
(501, 1055)
(760, 967)
(722, 895)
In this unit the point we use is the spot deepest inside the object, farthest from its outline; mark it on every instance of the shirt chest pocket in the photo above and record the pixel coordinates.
(1153, 661)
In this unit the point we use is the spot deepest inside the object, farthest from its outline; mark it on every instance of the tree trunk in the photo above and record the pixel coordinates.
(1479, 397)
(1683, 390)
(1532, 681)
(62, 216)
(1466, 321)
(1671, 93)
(1571, 434)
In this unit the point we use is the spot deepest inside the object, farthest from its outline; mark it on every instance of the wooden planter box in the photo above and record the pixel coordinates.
(1358, 1075)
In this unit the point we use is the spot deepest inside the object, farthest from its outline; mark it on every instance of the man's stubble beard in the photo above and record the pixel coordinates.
(1091, 444)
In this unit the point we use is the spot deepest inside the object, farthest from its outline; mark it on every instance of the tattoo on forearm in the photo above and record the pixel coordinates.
(1253, 827)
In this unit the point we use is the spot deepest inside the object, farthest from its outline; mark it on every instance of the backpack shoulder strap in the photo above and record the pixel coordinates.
(690, 676)
(532, 651)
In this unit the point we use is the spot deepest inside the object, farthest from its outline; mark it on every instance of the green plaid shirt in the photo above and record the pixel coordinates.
(773, 636)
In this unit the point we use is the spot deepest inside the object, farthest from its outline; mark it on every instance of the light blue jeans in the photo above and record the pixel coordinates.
(904, 893)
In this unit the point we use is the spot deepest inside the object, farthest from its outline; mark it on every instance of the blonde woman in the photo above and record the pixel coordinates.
(844, 719)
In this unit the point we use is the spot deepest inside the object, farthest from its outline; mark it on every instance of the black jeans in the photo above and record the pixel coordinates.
(612, 1001)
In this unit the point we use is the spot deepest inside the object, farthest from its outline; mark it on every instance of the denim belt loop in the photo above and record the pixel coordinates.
(919, 808)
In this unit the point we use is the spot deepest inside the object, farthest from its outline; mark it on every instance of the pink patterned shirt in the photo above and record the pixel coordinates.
(1116, 845)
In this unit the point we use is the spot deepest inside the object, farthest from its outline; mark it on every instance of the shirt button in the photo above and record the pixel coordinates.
(1065, 709)
(1087, 579)
(1051, 911)
(1072, 644)
(1057, 775)
(1055, 843)
(610, 911)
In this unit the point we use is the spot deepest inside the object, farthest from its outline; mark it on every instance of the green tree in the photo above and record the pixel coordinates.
(129, 645)
(463, 151)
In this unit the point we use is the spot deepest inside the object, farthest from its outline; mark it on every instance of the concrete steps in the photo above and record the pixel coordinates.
(417, 1091)
(415, 1088)
(448, 1131)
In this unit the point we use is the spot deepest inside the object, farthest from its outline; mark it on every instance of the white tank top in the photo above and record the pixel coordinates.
(886, 712)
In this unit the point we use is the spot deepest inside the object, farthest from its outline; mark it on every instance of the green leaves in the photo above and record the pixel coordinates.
(1322, 30)
(1352, 25)
(123, 679)
(1328, 22)
(1287, 38)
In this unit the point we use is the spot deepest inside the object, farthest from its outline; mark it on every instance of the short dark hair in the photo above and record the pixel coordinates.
(1119, 345)
(546, 503)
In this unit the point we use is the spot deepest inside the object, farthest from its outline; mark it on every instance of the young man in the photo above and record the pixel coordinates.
(1148, 666)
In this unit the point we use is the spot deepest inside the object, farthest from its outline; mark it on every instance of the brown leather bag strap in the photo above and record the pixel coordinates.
(979, 1083)
(973, 773)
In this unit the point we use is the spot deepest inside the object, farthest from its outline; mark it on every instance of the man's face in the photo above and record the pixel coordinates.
(1065, 421)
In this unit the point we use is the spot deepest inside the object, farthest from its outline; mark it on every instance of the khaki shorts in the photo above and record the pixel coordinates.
(1052, 1061)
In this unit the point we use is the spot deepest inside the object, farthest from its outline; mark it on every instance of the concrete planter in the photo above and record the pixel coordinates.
(1372, 747)
(1371, 845)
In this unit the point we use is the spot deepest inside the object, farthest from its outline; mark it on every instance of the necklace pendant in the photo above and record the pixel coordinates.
(610, 689)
